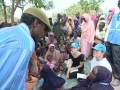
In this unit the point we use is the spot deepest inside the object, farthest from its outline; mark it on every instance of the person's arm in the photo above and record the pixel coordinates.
(33, 69)
(69, 68)
(70, 55)
(80, 65)
(46, 56)
(106, 35)
(81, 57)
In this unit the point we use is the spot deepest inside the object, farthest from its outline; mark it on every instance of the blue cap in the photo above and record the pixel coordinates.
(100, 47)
(75, 45)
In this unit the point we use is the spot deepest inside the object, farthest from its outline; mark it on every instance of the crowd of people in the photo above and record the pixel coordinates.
(57, 51)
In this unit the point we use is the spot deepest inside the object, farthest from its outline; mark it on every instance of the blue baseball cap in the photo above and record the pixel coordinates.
(75, 45)
(100, 47)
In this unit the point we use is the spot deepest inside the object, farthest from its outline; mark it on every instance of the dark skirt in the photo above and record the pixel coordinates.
(74, 74)
(51, 80)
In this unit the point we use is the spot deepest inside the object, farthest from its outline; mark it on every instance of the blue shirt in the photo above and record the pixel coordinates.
(114, 30)
(16, 48)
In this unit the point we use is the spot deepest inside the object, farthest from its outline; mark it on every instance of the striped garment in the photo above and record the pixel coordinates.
(16, 47)
(114, 30)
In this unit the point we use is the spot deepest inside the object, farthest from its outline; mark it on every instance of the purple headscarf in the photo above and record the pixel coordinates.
(103, 75)
(101, 82)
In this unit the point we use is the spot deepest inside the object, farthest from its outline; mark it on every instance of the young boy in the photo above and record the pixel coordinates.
(99, 58)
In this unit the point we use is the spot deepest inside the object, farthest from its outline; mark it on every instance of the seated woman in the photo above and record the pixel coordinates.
(76, 64)
(99, 79)
(54, 52)
(56, 56)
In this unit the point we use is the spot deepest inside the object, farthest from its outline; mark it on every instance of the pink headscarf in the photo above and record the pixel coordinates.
(87, 35)
(51, 45)
(109, 17)
(88, 28)
(55, 53)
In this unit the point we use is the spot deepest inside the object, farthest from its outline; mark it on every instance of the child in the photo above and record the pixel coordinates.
(99, 58)
(50, 61)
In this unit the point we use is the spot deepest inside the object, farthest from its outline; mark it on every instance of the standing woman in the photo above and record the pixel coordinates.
(87, 34)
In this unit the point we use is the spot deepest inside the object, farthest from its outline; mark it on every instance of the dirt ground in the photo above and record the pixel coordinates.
(30, 85)
(70, 83)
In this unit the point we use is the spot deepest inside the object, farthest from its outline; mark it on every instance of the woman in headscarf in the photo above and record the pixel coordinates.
(56, 56)
(51, 39)
(99, 79)
(70, 26)
(101, 30)
(87, 34)
(51, 50)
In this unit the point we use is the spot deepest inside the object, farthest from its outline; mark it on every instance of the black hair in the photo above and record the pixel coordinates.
(4, 24)
(101, 26)
(119, 3)
(28, 19)
(83, 19)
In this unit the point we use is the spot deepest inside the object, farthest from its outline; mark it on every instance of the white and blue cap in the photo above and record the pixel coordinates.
(75, 45)
(100, 47)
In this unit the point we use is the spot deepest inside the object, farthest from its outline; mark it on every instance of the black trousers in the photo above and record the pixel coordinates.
(113, 55)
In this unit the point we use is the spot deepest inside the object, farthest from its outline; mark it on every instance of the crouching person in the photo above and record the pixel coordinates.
(98, 79)
(51, 80)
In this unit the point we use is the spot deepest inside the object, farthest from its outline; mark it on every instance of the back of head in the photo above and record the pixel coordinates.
(103, 74)
(119, 4)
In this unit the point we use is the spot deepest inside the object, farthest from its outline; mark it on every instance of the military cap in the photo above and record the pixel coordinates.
(37, 12)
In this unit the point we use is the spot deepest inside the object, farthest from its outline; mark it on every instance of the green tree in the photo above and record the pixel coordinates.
(83, 6)
(3, 11)
(21, 4)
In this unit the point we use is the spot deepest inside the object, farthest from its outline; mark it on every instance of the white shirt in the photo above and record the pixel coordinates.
(104, 62)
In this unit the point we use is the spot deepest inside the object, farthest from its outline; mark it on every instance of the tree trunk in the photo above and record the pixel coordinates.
(5, 13)
(17, 3)
(14, 6)
(12, 12)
